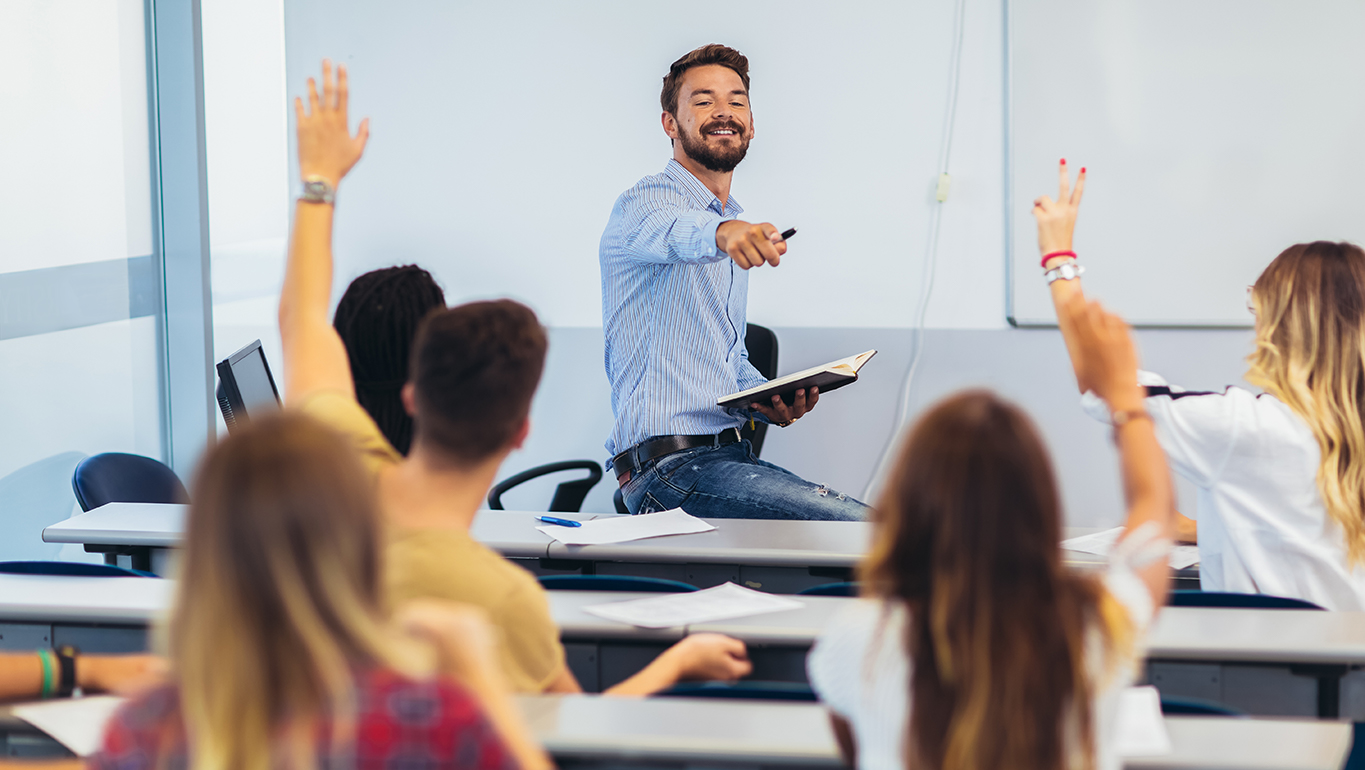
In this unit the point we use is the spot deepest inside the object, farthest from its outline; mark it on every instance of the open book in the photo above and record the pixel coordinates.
(835, 374)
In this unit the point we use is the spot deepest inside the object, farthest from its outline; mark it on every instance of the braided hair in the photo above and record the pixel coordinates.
(377, 320)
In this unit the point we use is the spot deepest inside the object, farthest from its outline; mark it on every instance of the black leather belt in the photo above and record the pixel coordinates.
(629, 462)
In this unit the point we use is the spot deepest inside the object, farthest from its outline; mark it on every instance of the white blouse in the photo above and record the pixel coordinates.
(860, 669)
(1262, 524)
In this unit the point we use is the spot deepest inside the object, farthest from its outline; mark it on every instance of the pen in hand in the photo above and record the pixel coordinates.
(789, 232)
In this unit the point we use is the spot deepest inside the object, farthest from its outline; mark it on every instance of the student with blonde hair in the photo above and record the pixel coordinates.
(1281, 474)
(975, 647)
(280, 655)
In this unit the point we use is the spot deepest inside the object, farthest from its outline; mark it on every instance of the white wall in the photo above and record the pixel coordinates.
(864, 258)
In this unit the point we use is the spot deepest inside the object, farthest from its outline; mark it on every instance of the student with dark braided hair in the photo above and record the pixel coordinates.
(377, 320)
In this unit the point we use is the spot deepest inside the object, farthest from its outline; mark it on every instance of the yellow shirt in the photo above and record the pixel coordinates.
(449, 564)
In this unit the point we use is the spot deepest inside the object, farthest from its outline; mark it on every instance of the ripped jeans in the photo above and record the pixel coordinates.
(728, 482)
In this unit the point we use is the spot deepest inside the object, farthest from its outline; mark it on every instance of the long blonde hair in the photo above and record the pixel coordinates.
(278, 599)
(1310, 354)
(965, 537)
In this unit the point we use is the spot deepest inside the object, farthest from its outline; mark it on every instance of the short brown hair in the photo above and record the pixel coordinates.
(713, 53)
(475, 368)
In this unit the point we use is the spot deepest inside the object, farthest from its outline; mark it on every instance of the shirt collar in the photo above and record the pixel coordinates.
(698, 192)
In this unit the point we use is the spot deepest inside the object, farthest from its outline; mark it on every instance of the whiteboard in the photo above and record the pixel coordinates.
(1216, 134)
(503, 132)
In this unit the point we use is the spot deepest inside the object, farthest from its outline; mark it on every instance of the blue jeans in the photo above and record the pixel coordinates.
(728, 482)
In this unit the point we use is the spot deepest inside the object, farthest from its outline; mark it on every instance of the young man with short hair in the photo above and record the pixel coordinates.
(675, 286)
(474, 371)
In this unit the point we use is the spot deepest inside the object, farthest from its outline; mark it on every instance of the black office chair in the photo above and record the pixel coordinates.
(614, 583)
(761, 343)
(568, 496)
(1236, 600)
(114, 477)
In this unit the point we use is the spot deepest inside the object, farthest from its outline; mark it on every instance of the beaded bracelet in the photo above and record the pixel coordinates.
(49, 664)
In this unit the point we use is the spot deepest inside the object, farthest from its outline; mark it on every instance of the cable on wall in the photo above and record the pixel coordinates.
(931, 250)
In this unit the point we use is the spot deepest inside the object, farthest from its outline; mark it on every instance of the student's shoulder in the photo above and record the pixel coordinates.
(852, 629)
(138, 731)
(451, 564)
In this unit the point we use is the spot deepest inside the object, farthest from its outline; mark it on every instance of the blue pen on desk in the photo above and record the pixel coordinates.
(560, 522)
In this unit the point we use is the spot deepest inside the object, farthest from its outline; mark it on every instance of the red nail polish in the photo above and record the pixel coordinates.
(1082, 169)
(1063, 161)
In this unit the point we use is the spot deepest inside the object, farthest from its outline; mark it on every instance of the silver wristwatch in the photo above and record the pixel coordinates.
(318, 190)
(1067, 271)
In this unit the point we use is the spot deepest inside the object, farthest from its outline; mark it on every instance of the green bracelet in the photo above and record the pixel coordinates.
(45, 656)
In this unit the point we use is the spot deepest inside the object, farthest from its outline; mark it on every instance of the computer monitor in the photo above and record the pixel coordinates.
(245, 386)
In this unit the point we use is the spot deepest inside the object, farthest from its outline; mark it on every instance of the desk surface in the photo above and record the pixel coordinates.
(682, 730)
(67, 599)
(749, 542)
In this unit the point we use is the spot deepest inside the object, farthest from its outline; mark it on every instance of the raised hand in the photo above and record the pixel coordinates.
(1108, 358)
(1057, 219)
(751, 245)
(326, 148)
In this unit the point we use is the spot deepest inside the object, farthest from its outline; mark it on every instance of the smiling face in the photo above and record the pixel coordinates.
(712, 122)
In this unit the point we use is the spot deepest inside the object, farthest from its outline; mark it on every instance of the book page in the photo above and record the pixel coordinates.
(1141, 727)
(76, 723)
(720, 603)
(627, 528)
(1183, 556)
(848, 366)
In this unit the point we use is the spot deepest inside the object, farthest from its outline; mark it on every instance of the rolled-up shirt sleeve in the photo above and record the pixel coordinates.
(659, 225)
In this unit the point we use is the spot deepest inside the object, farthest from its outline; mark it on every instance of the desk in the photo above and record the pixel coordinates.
(587, 731)
(774, 556)
(582, 731)
(1268, 662)
(96, 614)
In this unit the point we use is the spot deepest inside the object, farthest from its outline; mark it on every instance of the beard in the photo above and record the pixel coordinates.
(721, 158)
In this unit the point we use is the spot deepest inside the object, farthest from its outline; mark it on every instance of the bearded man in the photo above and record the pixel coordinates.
(674, 293)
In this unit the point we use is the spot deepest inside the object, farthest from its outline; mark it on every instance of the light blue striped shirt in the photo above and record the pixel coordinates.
(673, 311)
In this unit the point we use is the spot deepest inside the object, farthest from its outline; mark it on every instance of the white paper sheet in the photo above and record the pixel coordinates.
(626, 528)
(1099, 543)
(719, 603)
(1141, 727)
(76, 723)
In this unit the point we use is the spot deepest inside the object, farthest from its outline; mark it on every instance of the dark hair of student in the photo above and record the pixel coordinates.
(377, 320)
(966, 536)
(475, 368)
(713, 53)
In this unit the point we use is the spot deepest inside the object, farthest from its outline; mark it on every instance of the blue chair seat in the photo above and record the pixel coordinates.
(831, 589)
(613, 583)
(1177, 706)
(1236, 600)
(746, 690)
(80, 569)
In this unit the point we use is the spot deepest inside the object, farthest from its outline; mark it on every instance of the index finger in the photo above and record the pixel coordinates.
(1064, 187)
(329, 87)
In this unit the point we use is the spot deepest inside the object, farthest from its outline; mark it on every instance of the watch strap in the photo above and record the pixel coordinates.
(66, 668)
(318, 190)
(1067, 271)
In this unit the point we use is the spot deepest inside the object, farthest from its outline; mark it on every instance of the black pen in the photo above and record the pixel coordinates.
(788, 233)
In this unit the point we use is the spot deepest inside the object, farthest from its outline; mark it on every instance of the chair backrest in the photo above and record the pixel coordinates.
(114, 477)
(831, 589)
(761, 343)
(569, 495)
(1356, 759)
(1176, 706)
(1234, 600)
(614, 583)
(80, 569)
(743, 690)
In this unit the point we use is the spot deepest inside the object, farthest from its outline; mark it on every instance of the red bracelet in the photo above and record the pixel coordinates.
(1056, 254)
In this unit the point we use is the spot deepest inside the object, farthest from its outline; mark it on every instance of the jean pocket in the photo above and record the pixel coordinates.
(670, 464)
